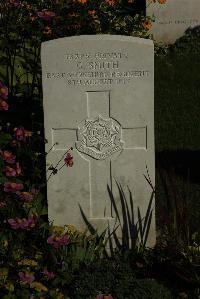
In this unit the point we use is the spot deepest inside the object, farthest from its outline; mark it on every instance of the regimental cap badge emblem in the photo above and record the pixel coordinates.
(99, 138)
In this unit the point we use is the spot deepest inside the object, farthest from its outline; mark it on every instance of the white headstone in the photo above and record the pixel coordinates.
(173, 18)
(98, 98)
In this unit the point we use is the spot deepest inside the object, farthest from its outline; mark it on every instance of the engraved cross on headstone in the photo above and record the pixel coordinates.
(100, 140)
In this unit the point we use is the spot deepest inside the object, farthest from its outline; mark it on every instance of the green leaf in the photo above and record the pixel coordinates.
(4, 60)
(133, 229)
(147, 228)
(92, 230)
(3, 179)
(148, 212)
(140, 225)
(5, 139)
(125, 233)
(113, 203)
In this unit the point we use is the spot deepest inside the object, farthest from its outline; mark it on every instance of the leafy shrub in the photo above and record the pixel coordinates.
(116, 278)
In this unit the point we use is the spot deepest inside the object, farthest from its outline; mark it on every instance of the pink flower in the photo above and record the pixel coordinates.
(13, 187)
(26, 277)
(3, 91)
(3, 105)
(58, 241)
(8, 157)
(9, 171)
(23, 223)
(26, 196)
(111, 2)
(2, 204)
(35, 191)
(15, 223)
(50, 275)
(69, 160)
(28, 223)
(21, 133)
(12, 172)
(46, 14)
(14, 3)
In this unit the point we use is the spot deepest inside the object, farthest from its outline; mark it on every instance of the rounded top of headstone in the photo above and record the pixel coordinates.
(101, 37)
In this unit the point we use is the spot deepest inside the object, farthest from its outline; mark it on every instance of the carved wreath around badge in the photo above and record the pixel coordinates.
(99, 138)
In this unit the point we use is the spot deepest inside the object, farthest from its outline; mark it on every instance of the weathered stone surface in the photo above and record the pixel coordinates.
(173, 18)
(98, 98)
